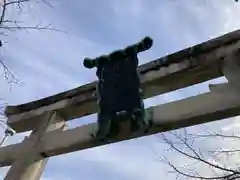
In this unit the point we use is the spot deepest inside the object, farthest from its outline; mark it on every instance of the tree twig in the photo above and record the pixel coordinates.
(4, 7)
(229, 173)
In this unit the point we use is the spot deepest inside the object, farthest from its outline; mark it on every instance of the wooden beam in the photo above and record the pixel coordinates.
(10, 153)
(211, 106)
(179, 74)
(188, 53)
(183, 113)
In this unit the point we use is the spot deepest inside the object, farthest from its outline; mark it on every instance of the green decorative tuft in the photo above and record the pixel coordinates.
(144, 44)
(89, 63)
(148, 42)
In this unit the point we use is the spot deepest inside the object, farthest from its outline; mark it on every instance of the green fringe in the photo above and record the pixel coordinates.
(143, 45)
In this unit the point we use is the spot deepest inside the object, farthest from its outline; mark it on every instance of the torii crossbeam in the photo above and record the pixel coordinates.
(46, 117)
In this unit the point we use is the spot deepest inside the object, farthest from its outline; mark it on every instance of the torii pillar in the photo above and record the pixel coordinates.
(30, 164)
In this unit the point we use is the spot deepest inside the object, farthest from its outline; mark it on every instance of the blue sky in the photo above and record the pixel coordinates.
(50, 62)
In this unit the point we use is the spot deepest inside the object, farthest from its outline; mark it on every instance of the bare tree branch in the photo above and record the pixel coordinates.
(196, 157)
(16, 2)
(8, 75)
(4, 7)
(9, 25)
(184, 145)
(210, 135)
(194, 175)
(37, 27)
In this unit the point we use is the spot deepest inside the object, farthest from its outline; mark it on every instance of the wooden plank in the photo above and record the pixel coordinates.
(211, 106)
(183, 113)
(165, 79)
(10, 153)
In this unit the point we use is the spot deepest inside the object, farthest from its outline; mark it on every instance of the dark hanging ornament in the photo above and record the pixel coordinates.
(118, 90)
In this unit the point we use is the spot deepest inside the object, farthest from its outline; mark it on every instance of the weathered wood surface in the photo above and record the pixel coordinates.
(30, 165)
(219, 104)
(184, 68)
(187, 53)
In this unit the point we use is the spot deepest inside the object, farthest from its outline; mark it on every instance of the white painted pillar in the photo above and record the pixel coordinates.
(231, 70)
(30, 165)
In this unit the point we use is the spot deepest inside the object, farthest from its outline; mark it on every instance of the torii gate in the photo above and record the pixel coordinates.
(47, 117)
